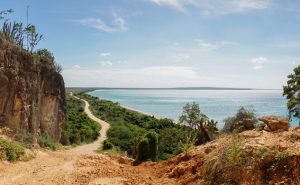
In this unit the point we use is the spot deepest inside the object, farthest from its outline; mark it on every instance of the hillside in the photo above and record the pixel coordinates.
(250, 157)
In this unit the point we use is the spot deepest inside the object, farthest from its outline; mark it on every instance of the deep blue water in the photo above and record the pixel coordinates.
(216, 104)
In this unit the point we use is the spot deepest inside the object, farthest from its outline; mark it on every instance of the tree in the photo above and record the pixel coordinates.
(242, 113)
(292, 93)
(192, 117)
(33, 37)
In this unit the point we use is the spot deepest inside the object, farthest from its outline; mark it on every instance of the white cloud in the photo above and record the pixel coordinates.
(257, 67)
(118, 24)
(207, 46)
(215, 7)
(155, 76)
(259, 60)
(106, 63)
(171, 3)
(76, 67)
(105, 54)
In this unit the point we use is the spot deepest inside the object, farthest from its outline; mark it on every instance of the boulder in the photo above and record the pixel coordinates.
(275, 123)
(245, 124)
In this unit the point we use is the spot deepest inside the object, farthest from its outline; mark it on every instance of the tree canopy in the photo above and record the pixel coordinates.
(292, 93)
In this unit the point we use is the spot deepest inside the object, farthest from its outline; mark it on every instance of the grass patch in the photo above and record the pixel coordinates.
(10, 150)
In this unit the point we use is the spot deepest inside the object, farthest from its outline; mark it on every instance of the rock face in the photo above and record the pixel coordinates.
(32, 94)
(275, 122)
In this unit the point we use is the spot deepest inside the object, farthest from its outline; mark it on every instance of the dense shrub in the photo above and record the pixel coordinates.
(123, 135)
(241, 114)
(169, 142)
(143, 150)
(10, 150)
(153, 145)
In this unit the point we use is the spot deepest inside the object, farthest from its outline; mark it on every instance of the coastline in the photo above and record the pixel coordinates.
(138, 111)
(129, 108)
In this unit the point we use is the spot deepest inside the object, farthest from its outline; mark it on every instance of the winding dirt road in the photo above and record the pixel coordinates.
(89, 148)
(52, 167)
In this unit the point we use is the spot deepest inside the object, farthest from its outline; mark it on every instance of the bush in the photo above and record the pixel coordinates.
(241, 114)
(234, 156)
(10, 150)
(143, 150)
(47, 141)
(153, 145)
(107, 145)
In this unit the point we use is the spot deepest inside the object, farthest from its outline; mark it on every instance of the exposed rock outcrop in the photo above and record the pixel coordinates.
(245, 124)
(250, 157)
(32, 94)
(275, 123)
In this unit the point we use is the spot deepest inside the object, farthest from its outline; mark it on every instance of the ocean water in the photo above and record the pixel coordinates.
(216, 104)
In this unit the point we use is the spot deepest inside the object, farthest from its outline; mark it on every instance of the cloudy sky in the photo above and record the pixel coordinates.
(168, 43)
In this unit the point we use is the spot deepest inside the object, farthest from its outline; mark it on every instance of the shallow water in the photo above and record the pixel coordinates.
(216, 104)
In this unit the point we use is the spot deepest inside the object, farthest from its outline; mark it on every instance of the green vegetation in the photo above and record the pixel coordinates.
(234, 155)
(292, 93)
(153, 145)
(202, 128)
(47, 58)
(46, 141)
(129, 127)
(107, 145)
(24, 137)
(241, 114)
(10, 150)
(146, 147)
(18, 34)
(78, 127)
(143, 149)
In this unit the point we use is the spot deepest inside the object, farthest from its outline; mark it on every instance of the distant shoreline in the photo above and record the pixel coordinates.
(126, 107)
(174, 88)
(138, 111)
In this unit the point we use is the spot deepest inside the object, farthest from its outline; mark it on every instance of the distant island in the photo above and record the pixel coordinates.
(167, 88)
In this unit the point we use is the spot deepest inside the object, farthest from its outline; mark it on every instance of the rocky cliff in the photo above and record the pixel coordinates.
(32, 94)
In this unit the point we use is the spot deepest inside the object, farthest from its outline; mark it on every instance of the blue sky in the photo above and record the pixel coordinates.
(168, 43)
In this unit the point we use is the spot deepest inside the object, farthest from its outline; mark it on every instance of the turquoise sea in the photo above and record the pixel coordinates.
(216, 104)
